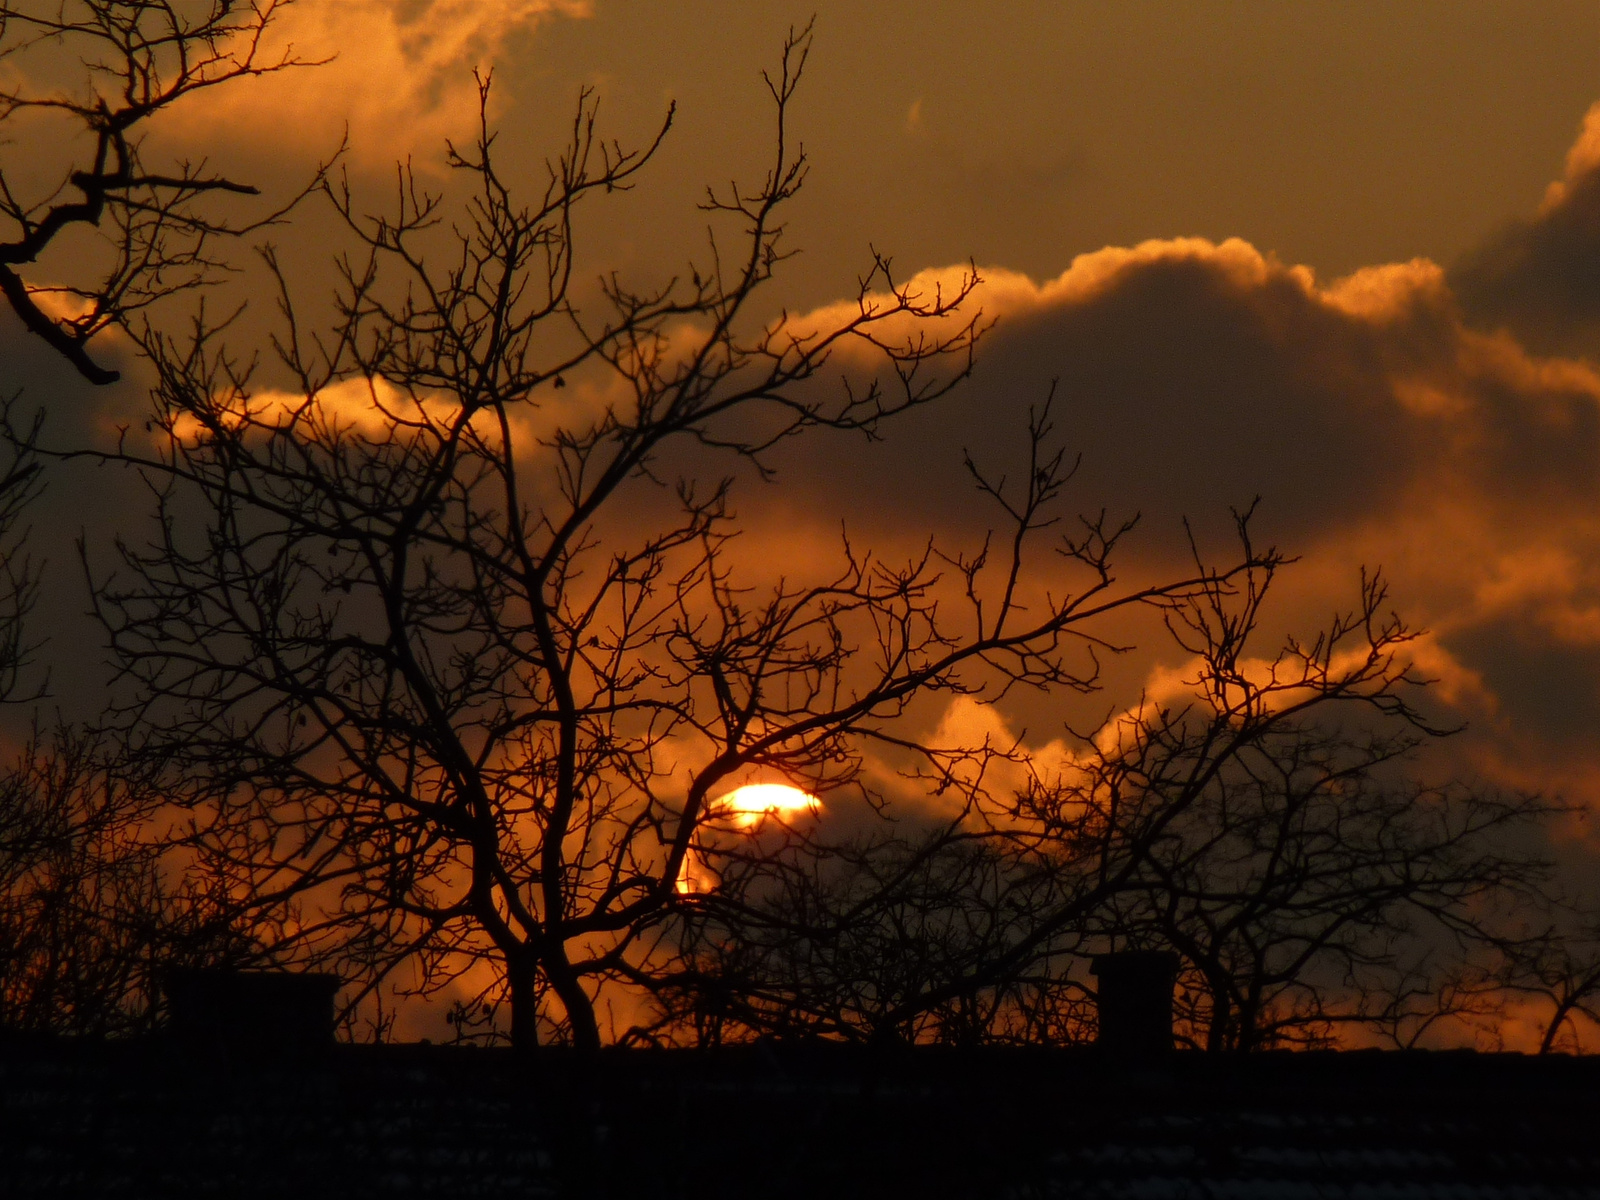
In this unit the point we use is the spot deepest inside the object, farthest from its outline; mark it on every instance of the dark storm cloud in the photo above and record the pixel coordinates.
(1194, 377)
(33, 377)
(1187, 388)
(1376, 426)
(1548, 688)
(78, 500)
(1540, 277)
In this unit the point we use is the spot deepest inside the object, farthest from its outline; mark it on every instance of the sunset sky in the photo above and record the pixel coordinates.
(1341, 256)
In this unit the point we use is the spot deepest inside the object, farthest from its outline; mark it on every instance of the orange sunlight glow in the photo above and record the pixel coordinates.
(747, 806)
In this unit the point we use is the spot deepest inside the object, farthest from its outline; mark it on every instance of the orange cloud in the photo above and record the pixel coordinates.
(1550, 585)
(1583, 159)
(399, 75)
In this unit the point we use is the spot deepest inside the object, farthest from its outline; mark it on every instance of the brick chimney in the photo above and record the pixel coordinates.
(1136, 1000)
(267, 1011)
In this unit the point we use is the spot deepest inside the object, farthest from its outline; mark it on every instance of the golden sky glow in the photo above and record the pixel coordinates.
(1340, 256)
(1313, 253)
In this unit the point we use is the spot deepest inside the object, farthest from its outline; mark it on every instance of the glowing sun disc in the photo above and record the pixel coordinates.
(746, 806)
(750, 803)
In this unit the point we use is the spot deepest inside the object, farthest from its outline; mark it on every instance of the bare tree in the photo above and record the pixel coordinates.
(454, 667)
(150, 231)
(1306, 891)
(831, 940)
(88, 914)
(1558, 966)
(1261, 822)
(1264, 826)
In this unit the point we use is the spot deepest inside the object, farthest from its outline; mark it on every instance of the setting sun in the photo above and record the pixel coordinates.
(748, 804)
(1108, 500)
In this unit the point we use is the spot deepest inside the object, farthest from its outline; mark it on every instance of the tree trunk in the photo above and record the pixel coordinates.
(1218, 1036)
(580, 1009)
(1563, 1011)
(522, 975)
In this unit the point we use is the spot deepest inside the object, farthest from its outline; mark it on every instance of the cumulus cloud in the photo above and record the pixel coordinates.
(1191, 374)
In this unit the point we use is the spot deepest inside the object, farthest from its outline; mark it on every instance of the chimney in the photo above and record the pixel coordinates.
(1136, 1000)
(250, 1011)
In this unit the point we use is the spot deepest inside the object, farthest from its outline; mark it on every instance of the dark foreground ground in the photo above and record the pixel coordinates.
(142, 1119)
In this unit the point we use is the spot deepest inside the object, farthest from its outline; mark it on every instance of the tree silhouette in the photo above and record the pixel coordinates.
(1305, 889)
(1304, 878)
(19, 576)
(1260, 821)
(89, 913)
(1559, 967)
(839, 940)
(443, 642)
(441, 662)
(152, 230)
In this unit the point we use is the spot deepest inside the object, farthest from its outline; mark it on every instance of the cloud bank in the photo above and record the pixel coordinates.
(1442, 423)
